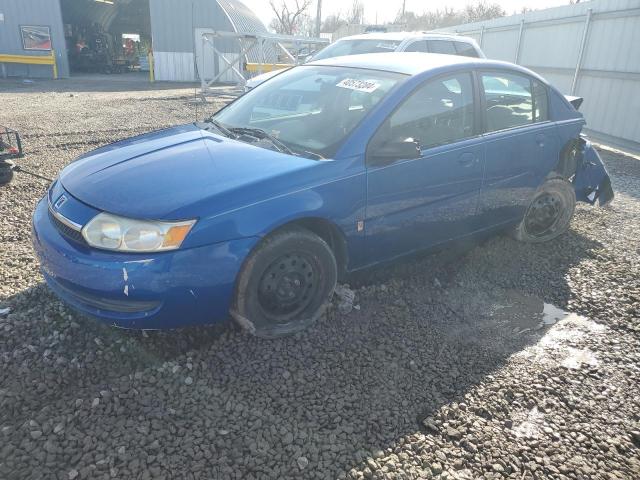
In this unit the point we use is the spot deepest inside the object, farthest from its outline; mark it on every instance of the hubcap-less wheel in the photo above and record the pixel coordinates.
(543, 214)
(285, 283)
(287, 287)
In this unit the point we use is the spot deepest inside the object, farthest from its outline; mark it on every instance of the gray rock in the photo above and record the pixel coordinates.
(453, 433)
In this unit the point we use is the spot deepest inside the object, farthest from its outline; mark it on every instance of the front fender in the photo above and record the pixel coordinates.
(340, 202)
(591, 181)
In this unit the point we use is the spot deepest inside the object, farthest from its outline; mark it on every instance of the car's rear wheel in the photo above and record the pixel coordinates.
(549, 213)
(285, 283)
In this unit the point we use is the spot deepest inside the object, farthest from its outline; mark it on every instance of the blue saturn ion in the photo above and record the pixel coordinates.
(328, 168)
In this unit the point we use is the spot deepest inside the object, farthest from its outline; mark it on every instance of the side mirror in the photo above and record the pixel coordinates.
(391, 151)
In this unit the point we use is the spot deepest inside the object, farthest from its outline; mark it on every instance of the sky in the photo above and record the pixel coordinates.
(386, 10)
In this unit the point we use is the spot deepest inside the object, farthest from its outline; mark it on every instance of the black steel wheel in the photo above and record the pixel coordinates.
(549, 213)
(288, 286)
(285, 283)
(543, 214)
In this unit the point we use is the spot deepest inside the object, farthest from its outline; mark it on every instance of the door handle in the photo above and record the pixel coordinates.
(540, 140)
(467, 159)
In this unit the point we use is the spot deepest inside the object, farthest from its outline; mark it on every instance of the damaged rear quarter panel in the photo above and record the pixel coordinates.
(590, 178)
(591, 181)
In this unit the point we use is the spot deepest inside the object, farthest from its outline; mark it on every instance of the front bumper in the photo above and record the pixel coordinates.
(142, 291)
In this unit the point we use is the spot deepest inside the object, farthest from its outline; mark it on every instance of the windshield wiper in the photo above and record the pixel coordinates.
(261, 134)
(308, 154)
(279, 144)
(221, 128)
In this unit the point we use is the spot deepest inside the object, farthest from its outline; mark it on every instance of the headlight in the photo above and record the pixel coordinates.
(111, 232)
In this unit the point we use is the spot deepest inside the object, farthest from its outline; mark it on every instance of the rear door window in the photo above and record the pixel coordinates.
(417, 46)
(513, 100)
(509, 102)
(442, 46)
(465, 49)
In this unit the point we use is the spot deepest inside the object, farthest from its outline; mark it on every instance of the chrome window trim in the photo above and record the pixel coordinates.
(69, 223)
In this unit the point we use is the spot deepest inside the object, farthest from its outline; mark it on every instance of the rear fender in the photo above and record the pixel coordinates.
(591, 180)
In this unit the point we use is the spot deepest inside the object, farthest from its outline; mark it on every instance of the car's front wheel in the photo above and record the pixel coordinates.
(549, 212)
(285, 283)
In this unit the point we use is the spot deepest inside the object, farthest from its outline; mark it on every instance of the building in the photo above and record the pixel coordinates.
(109, 36)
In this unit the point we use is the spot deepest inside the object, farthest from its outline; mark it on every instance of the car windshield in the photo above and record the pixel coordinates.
(309, 109)
(356, 47)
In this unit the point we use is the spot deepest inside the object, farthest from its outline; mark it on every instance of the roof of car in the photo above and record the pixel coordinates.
(409, 63)
(400, 36)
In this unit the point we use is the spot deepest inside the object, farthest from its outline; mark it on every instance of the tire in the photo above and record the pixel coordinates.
(6, 173)
(549, 213)
(285, 284)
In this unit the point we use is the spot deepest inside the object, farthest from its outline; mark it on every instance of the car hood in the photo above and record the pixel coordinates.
(181, 172)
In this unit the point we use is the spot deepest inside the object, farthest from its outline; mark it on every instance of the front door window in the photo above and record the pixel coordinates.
(437, 113)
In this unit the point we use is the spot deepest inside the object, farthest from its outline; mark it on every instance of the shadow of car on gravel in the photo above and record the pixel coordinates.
(427, 331)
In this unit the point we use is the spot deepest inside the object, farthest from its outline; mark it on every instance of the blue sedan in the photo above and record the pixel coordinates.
(328, 168)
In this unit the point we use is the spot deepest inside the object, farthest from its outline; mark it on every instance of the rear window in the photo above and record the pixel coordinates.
(442, 46)
(418, 46)
(356, 47)
(465, 49)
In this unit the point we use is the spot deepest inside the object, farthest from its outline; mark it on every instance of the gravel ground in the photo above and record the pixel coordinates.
(450, 365)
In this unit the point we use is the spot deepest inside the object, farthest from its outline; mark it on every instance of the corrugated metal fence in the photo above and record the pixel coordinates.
(589, 49)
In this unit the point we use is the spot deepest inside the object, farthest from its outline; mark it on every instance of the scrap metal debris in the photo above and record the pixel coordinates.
(346, 297)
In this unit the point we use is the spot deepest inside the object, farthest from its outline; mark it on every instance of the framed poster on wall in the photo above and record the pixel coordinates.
(35, 37)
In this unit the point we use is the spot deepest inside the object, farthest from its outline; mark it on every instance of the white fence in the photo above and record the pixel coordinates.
(590, 49)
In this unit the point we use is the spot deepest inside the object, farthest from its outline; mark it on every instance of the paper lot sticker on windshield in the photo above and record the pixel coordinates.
(367, 86)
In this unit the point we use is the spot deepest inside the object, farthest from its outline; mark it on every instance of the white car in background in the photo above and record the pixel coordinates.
(429, 42)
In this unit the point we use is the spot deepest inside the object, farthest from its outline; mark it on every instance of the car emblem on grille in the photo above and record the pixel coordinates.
(61, 201)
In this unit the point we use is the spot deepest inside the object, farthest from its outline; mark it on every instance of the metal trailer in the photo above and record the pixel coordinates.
(258, 45)
(10, 148)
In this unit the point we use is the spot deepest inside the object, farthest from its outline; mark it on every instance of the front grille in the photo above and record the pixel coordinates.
(67, 231)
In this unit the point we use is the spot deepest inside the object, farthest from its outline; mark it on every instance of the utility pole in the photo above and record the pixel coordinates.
(318, 18)
(404, 5)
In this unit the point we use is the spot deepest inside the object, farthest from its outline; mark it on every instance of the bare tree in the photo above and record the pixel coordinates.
(332, 23)
(448, 17)
(355, 15)
(290, 15)
(483, 11)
